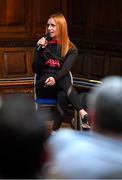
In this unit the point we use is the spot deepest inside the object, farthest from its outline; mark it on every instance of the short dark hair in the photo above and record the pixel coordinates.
(23, 133)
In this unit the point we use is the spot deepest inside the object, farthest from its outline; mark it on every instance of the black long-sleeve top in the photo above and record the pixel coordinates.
(49, 60)
(48, 63)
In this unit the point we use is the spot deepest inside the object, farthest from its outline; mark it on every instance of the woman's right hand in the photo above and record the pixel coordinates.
(50, 81)
(42, 42)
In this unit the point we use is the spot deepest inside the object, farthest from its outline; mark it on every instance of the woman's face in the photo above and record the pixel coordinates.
(51, 28)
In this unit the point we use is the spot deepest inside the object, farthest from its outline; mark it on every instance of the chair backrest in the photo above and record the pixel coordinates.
(71, 77)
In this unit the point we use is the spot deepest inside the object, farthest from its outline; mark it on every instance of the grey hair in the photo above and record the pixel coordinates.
(106, 101)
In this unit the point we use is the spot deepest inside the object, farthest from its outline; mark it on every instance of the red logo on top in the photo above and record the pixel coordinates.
(53, 63)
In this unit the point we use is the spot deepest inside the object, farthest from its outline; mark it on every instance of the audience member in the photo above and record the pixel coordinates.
(23, 136)
(98, 153)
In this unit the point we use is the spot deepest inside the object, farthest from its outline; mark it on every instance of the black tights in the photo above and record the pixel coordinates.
(62, 111)
(66, 94)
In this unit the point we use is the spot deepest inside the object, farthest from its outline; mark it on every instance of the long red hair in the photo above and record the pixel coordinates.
(62, 32)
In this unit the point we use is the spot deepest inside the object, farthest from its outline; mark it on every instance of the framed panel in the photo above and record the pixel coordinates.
(16, 62)
(97, 65)
(15, 18)
(78, 66)
(107, 20)
(115, 66)
(78, 18)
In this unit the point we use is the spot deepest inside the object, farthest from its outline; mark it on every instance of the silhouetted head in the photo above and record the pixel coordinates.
(23, 134)
(105, 106)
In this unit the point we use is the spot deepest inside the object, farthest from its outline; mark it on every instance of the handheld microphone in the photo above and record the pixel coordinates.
(47, 37)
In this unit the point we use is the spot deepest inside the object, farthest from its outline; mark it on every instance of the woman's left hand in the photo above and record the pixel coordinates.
(50, 81)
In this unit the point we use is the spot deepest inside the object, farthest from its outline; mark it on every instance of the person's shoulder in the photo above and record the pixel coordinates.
(61, 139)
(65, 138)
(73, 49)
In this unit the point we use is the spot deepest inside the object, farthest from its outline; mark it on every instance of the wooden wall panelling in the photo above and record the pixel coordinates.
(97, 65)
(107, 21)
(96, 27)
(87, 64)
(16, 62)
(115, 64)
(81, 67)
(78, 66)
(91, 64)
(77, 18)
(80, 14)
(15, 18)
(41, 12)
(29, 61)
(1, 62)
